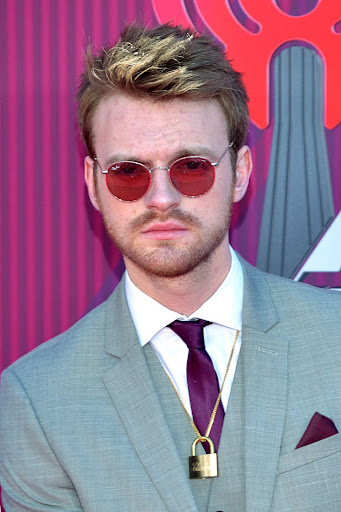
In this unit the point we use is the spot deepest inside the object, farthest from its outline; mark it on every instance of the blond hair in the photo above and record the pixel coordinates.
(163, 63)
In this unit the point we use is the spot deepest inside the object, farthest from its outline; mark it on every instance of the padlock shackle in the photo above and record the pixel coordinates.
(202, 439)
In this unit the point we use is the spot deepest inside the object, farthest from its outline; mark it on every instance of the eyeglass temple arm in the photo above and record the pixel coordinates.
(222, 156)
(103, 171)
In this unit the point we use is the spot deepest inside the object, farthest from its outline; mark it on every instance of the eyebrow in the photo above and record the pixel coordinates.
(196, 151)
(191, 151)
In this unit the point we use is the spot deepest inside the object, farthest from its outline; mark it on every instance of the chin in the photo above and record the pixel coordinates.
(166, 264)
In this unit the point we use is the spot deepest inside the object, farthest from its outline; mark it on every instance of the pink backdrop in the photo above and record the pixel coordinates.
(56, 261)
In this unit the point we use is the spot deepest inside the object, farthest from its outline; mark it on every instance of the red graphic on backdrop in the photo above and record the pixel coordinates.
(251, 53)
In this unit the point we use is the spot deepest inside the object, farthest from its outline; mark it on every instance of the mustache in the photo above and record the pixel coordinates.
(152, 216)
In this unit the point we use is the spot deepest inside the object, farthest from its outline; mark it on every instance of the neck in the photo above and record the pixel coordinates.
(183, 294)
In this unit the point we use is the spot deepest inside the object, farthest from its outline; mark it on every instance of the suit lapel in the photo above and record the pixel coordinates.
(265, 390)
(131, 389)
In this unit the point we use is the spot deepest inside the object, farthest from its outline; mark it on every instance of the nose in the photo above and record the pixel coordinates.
(162, 195)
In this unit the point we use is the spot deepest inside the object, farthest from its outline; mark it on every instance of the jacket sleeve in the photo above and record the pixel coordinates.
(31, 476)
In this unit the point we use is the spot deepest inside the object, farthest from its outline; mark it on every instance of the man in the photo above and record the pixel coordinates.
(104, 417)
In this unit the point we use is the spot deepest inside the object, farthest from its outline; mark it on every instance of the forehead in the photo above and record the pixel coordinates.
(134, 124)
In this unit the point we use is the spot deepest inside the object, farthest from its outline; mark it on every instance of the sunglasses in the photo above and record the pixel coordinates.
(192, 176)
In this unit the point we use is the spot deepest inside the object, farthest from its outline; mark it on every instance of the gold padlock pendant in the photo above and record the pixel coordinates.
(203, 466)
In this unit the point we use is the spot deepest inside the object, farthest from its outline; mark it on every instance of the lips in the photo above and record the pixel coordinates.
(164, 230)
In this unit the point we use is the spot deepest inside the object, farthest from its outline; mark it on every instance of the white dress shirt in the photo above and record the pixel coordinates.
(223, 309)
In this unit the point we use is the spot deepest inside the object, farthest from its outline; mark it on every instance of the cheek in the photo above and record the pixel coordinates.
(222, 192)
(116, 213)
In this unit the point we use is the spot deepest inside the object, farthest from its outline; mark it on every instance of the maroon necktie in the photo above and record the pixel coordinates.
(202, 380)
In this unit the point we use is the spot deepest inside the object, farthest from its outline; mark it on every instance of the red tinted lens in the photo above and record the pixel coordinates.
(128, 180)
(192, 176)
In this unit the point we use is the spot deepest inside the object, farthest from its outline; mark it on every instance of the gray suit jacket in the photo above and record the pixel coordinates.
(84, 426)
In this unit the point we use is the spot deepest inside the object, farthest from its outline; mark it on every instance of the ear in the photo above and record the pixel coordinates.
(243, 173)
(89, 175)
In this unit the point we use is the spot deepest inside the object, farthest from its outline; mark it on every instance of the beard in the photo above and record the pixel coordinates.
(166, 258)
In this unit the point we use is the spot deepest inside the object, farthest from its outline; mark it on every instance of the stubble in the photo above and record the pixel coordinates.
(168, 258)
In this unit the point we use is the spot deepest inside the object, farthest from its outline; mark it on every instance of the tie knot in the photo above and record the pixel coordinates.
(191, 332)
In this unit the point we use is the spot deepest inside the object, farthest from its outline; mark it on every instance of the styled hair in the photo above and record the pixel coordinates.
(161, 64)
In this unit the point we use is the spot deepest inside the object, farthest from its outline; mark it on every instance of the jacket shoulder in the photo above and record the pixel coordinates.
(82, 339)
(294, 302)
(284, 285)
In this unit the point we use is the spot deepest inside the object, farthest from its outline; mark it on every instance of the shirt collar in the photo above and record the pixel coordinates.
(224, 307)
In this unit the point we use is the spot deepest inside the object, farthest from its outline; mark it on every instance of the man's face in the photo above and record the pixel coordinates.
(165, 233)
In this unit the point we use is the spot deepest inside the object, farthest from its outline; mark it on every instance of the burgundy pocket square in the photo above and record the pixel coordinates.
(320, 427)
